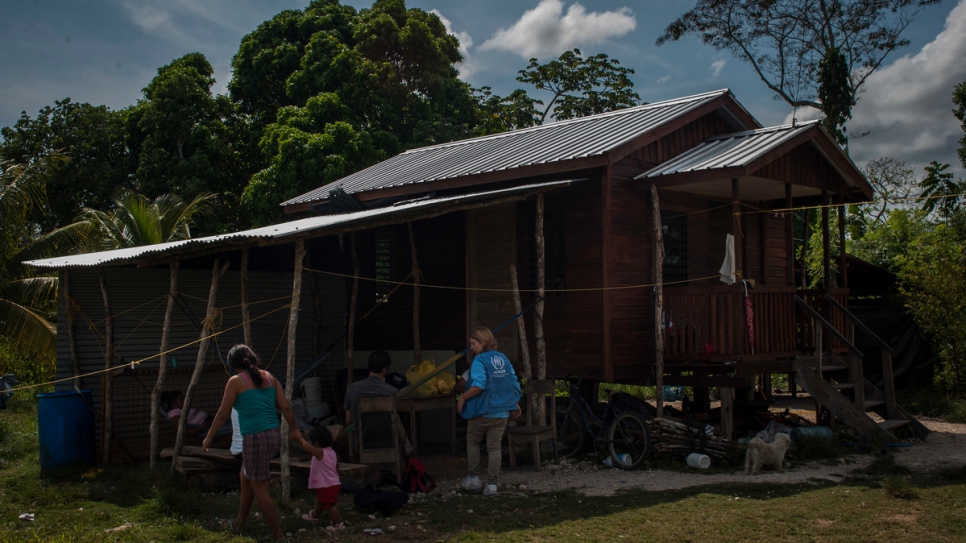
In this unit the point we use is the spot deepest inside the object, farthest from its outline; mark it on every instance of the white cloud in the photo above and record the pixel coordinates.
(468, 66)
(546, 31)
(717, 66)
(664, 79)
(906, 106)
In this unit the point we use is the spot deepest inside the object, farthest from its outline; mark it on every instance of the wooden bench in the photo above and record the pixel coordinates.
(195, 460)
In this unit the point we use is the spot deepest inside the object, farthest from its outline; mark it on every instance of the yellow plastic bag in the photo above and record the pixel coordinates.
(417, 372)
(445, 382)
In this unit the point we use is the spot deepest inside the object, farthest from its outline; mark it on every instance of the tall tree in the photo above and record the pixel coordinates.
(959, 100)
(188, 142)
(815, 53)
(580, 85)
(940, 192)
(91, 137)
(333, 90)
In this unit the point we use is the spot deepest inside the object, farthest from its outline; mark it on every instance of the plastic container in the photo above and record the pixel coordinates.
(698, 460)
(812, 432)
(65, 423)
(312, 391)
(673, 393)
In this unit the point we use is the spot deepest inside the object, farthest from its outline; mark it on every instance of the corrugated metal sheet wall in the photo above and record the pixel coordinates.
(138, 297)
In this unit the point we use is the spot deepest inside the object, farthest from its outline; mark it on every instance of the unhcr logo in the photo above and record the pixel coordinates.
(499, 365)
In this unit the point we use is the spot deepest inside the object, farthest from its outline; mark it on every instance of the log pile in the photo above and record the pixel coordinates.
(675, 439)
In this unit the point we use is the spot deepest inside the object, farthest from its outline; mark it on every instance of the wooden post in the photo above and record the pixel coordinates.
(417, 277)
(826, 247)
(843, 271)
(789, 237)
(737, 232)
(71, 336)
(108, 379)
(658, 301)
(353, 299)
(541, 279)
(888, 385)
(217, 271)
(727, 414)
(245, 315)
(521, 326)
(293, 321)
(803, 257)
(163, 363)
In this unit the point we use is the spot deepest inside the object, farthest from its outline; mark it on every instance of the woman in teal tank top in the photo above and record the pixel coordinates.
(255, 395)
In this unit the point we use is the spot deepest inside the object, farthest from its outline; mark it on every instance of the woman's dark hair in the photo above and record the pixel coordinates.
(320, 437)
(242, 357)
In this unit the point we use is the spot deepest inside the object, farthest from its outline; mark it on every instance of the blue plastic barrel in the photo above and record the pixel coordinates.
(814, 432)
(65, 423)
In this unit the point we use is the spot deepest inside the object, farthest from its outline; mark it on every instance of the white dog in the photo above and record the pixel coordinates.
(766, 454)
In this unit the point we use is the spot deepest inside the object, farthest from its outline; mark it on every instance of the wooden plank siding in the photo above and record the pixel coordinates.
(138, 297)
(491, 245)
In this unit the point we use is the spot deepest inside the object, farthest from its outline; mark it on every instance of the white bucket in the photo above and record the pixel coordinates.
(697, 460)
(312, 391)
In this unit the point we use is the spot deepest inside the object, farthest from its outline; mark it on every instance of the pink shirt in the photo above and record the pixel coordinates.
(196, 417)
(324, 473)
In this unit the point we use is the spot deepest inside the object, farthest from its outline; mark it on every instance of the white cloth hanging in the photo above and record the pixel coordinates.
(727, 270)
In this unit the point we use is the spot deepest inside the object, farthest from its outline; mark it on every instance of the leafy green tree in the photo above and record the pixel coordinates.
(28, 302)
(940, 192)
(500, 114)
(332, 90)
(809, 53)
(580, 86)
(187, 142)
(137, 221)
(92, 137)
(959, 100)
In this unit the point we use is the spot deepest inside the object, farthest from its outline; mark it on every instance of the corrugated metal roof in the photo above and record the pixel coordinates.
(564, 140)
(739, 149)
(317, 226)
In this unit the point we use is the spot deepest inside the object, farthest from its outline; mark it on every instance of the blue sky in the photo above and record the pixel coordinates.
(106, 52)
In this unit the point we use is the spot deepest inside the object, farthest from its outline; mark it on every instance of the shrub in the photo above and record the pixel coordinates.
(898, 487)
(29, 369)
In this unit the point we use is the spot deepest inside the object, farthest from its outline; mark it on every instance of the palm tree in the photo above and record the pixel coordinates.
(138, 221)
(28, 301)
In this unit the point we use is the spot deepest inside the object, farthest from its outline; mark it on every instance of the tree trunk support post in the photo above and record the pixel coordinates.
(293, 321)
(353, 301)
(217, 271)
(245, 301)
(521, 326)
(417, 277)
(541, 292)
(108, 378)
(658, 301)
(163, 363)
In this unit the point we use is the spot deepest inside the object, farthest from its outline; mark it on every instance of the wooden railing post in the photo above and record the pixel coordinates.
(889, 387)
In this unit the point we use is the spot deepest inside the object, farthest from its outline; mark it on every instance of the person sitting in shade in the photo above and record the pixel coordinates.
(374, 385)
(173, 402)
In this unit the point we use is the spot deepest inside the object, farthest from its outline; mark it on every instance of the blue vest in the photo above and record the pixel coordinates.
(501, 391)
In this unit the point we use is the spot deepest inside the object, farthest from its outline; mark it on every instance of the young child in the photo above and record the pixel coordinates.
(323, 477)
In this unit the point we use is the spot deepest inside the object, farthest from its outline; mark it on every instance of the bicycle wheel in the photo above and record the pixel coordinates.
(570, 433)
(629, 440)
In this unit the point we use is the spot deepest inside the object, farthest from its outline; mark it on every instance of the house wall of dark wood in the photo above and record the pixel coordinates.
(139, 296)
(384, 318)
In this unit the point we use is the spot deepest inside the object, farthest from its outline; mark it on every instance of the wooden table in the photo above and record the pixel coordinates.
(415, 404)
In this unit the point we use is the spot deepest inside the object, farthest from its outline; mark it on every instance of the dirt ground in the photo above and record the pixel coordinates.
(944, 447)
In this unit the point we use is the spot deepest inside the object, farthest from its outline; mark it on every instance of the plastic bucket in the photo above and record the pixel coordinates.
(65, 423)
(312, 391)
(698, 460)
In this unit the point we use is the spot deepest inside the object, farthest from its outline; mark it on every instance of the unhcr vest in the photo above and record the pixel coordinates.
(501, 392)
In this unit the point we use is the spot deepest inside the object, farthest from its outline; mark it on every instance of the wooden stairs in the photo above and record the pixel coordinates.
(835, 381)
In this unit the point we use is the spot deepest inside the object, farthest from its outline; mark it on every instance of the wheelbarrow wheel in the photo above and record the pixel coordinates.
(629, 440)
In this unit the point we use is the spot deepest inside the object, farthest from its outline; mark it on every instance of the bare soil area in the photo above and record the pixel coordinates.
(944, 447)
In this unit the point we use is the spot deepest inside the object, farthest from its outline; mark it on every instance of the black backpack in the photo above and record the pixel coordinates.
(415, 478)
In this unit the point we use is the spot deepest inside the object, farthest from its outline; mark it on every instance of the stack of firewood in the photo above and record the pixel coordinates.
(674, 439)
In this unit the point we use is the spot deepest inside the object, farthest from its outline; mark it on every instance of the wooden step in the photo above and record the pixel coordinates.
(892, 424)
(871, 404)
(833, 367)
(843, 386)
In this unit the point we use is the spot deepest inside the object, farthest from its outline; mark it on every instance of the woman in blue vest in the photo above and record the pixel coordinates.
(492, 393)
(256, 395)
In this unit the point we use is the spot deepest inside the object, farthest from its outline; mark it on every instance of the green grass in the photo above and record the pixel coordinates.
(881, 503)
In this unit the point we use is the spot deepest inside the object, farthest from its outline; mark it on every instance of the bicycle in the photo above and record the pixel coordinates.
(624, 432)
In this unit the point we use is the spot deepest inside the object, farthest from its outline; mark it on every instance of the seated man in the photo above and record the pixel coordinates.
(374, 385)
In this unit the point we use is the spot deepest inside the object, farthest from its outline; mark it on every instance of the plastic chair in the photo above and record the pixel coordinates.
(379, 430)
(532, 432)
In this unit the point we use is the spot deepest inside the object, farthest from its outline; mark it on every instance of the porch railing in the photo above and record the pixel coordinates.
(710, 323)
(815, 299)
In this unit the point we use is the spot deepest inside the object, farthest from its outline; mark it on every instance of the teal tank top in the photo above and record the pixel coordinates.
(256, 408)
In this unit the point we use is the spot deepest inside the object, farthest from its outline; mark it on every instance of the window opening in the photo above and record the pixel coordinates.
(674, 229)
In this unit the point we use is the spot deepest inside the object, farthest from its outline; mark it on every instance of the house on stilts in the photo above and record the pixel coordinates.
(637, 208)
